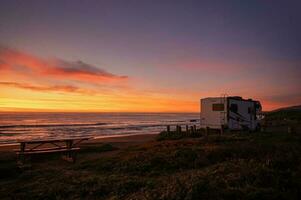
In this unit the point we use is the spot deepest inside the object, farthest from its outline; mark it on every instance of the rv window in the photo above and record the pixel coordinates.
(218, 107)
(234, 108)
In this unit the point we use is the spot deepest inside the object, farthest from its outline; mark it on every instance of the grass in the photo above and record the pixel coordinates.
(229, 166)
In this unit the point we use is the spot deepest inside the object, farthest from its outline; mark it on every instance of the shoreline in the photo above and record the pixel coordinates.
(126, 138)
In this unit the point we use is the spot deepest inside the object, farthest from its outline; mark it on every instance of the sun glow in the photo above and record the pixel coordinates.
(29, 83)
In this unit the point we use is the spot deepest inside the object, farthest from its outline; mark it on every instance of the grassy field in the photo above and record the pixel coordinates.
(230, 166)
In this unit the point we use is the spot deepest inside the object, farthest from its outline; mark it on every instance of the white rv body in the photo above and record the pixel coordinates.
(233, 113)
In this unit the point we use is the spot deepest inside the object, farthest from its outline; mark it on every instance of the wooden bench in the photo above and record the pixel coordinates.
(68, 146)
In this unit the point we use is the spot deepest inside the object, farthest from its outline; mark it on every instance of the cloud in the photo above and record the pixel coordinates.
(54, 88)
(13, 60)
(3, 65)
(82, 71)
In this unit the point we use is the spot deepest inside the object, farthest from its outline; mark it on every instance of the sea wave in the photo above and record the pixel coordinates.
(49, 125)
(30, 126)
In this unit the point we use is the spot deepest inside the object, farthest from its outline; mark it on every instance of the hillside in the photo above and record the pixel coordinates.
(297, 107)
(292, 114)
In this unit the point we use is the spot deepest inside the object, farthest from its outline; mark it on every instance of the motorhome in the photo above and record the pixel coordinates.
(233, 113)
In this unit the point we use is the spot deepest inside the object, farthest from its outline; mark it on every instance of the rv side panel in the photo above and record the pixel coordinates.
(213, 112)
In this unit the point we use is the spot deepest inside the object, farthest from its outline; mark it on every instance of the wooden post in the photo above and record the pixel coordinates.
(191, 130)
(180, 129)
(168, 129)
(194, 128)
(222, 129)
(187, 130)
(207, 130)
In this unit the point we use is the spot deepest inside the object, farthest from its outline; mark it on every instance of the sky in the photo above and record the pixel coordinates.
(147, 56)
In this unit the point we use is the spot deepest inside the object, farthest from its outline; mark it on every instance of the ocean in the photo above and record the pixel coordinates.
(30, 126)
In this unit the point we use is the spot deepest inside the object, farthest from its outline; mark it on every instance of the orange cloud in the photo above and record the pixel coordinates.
(55, 88)
(16, 62)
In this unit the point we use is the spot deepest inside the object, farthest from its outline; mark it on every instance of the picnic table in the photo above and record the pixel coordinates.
(68, 146)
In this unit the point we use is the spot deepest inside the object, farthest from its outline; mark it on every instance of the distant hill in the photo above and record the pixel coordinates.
(287, 113)
(297, 107)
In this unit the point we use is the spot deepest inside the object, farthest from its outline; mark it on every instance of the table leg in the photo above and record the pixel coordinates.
(21, 158)
(69, 144)
(22, 146)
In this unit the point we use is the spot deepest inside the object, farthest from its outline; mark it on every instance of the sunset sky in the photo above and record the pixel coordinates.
(147, 56)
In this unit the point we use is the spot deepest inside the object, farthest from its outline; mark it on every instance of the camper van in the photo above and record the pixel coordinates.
(233, 113)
